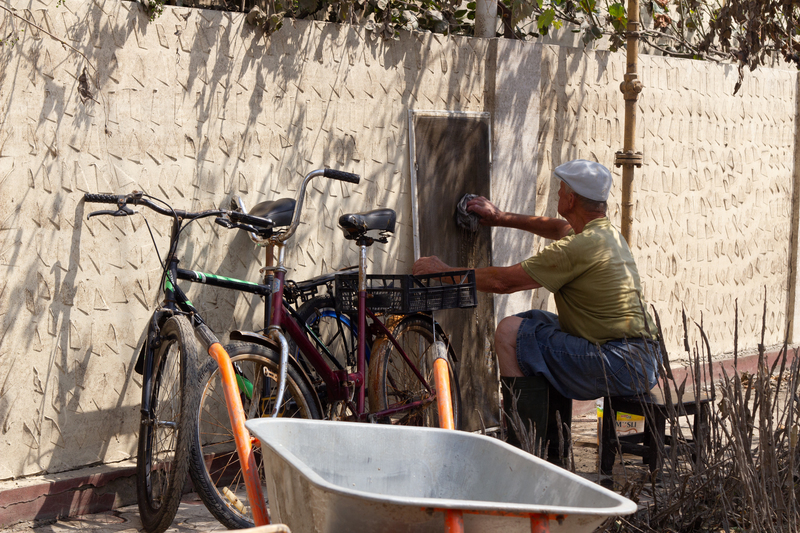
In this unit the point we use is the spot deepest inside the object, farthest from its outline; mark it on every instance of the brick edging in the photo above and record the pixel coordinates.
(84, 493)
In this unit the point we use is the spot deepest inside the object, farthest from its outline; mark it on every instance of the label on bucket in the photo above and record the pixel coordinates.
(625, 424)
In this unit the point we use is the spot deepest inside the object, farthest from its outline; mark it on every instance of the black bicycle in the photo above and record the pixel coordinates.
(169, 359)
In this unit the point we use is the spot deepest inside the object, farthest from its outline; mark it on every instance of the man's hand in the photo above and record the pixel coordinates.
(489, 213)
(429, 265)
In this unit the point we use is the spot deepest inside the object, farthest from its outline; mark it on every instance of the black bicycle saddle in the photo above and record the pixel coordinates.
(379, 221)
(279, 211)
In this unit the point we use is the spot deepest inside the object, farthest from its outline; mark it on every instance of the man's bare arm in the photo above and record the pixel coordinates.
(497, 280)
(504, 280)
(547, 227)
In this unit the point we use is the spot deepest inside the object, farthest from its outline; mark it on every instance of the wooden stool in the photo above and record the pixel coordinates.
(655, 409)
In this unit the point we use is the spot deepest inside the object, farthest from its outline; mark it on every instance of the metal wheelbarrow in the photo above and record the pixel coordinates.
(326, 477)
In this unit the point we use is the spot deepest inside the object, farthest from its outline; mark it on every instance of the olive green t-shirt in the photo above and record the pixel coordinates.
(594, 280)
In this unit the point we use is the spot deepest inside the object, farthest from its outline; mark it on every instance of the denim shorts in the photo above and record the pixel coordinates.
(577, 368)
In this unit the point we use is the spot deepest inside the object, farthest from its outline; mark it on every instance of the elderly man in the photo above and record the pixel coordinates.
(603, 340)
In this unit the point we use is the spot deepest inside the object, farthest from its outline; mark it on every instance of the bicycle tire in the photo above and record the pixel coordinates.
(337, 331)
(162, 459)
(214, 467)
(392, 383)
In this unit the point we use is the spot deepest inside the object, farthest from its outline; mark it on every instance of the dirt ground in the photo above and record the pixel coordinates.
(586, 462)
(584, 446)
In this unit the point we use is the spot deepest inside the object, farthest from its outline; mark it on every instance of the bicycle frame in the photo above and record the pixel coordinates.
(176, 301)
(340, 382)
(314, 352)
(298, 331)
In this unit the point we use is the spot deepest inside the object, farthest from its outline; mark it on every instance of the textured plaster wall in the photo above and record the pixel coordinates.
(197, 107)
(194, 108)
(713, 199)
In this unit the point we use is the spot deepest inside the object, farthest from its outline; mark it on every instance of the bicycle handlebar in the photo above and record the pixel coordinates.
(105, 198)
(329, 173)
(226, 218)
(341, 175)
(256, 226)
(137, 198)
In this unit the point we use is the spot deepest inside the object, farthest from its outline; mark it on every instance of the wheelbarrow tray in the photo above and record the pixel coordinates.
(349, 477)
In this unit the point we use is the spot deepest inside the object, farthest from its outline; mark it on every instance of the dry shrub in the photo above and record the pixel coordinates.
(741, 471)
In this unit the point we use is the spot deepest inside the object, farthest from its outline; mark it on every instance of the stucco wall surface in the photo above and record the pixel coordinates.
(196, 107)
(713, 199)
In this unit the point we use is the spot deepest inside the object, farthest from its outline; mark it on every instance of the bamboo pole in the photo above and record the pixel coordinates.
(628, 158)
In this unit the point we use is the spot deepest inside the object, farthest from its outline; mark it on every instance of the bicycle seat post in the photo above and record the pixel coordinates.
(361, 353)
(269, 258)
(274, 277)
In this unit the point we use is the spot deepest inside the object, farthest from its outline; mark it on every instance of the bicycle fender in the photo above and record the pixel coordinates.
(139, 367)
(255, 338)
(258, 338)
(439, 331)
(156, 321)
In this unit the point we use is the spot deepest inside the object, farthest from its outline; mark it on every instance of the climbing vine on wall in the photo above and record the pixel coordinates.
(382, 18)
(750, 33)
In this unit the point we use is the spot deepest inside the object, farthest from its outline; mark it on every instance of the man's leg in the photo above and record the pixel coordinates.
(530, 392)
(505, 344)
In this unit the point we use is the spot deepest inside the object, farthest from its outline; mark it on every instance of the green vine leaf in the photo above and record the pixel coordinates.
(544, 20)
(588, 5)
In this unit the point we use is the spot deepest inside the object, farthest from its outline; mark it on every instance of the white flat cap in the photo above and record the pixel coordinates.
(587, 178)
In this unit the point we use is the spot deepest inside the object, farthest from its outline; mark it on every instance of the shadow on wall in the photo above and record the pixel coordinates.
(55, 397)
(564, 137)
(132, 131)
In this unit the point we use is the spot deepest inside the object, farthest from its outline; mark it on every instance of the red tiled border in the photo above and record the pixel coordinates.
(82, 494)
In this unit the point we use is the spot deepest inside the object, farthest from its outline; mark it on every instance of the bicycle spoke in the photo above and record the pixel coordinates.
(218, 478)
(404, 390)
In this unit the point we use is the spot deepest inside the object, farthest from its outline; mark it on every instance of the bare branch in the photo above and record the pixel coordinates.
(63, 42)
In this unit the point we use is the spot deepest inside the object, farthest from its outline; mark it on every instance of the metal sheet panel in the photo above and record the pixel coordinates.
(451, 157)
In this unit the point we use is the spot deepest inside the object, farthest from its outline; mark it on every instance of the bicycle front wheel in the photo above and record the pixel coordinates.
(214, 465)
(163, 454)
(393, 384)
(338, 333)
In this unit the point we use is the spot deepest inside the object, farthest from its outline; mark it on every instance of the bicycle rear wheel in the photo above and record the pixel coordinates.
(163, 452)
(393, 384)
(214, 463)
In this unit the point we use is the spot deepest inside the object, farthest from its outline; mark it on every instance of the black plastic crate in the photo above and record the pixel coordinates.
(404, 293)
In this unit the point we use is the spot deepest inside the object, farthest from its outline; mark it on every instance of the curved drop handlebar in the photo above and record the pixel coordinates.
(328, 173)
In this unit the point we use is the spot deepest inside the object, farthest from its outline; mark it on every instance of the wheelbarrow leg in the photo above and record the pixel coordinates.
(540, 523)
(454, 519)
(454, 522)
